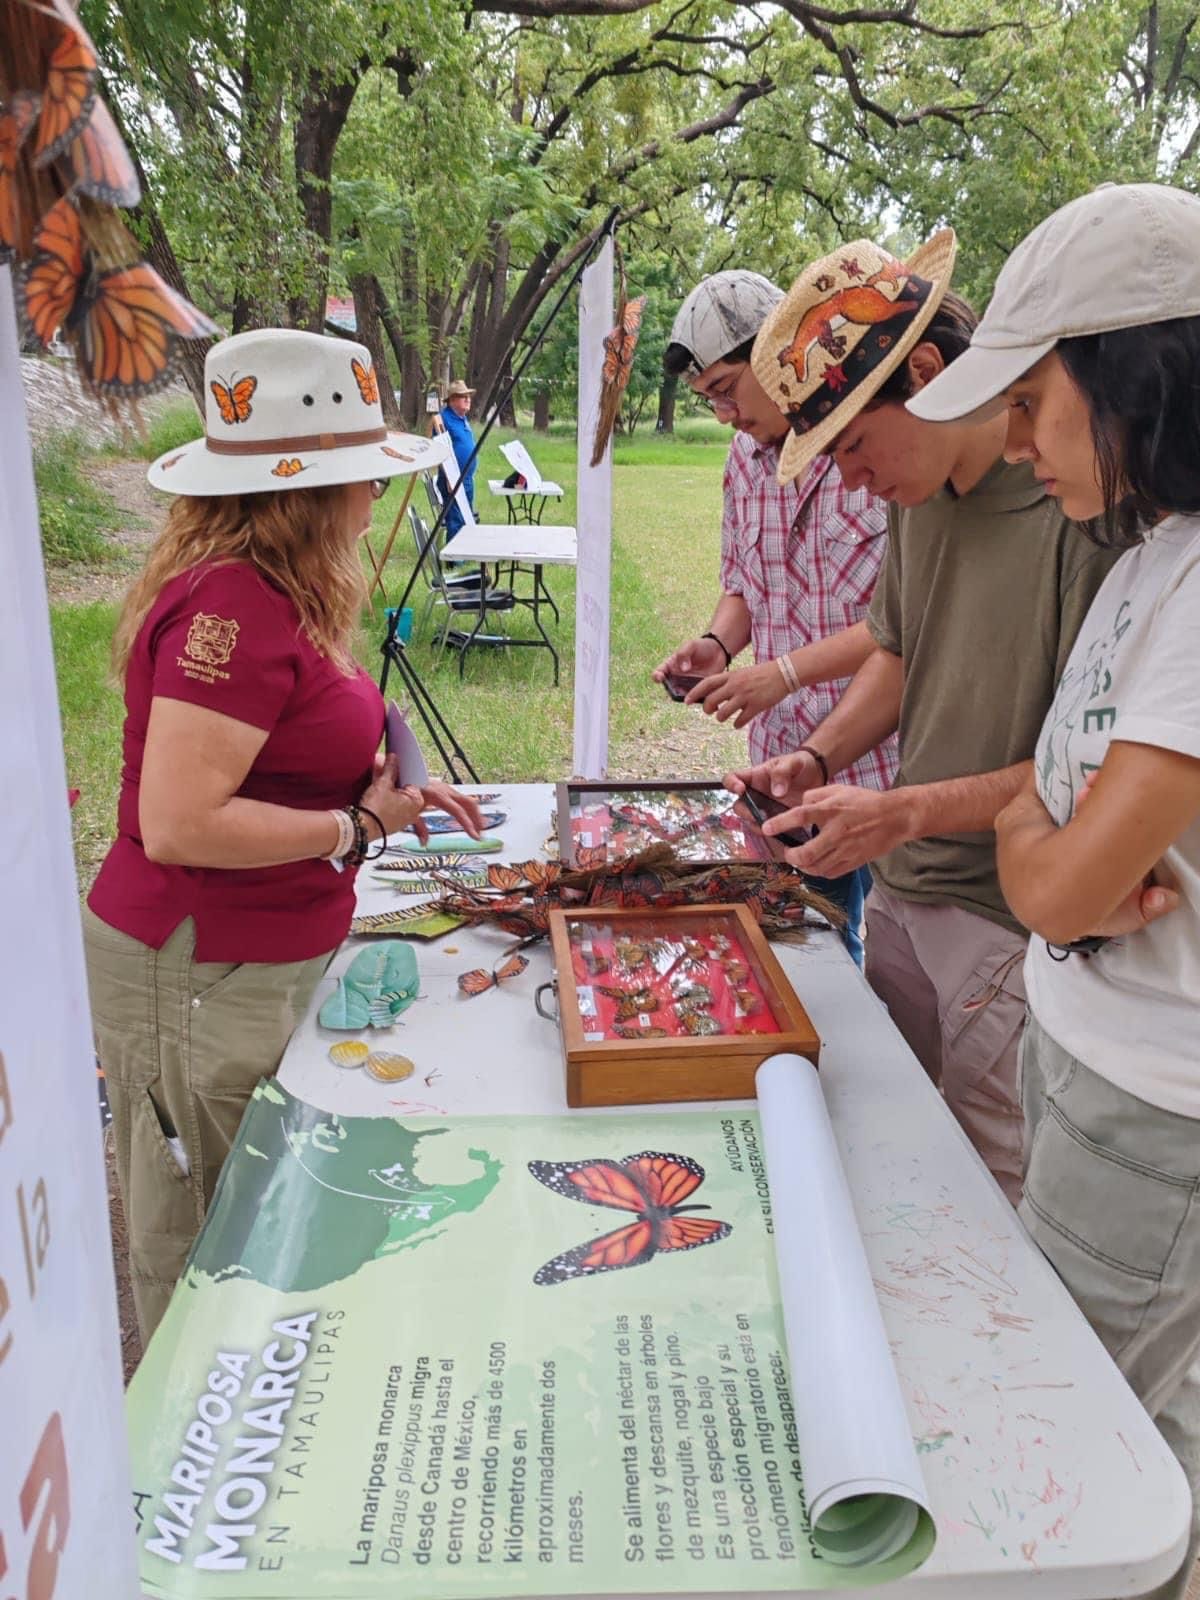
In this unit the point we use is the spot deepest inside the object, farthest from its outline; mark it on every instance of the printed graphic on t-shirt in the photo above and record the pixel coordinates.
(1083, 710)
(210, 643)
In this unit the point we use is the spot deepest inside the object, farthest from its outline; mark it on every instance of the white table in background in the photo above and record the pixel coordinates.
(1046, 1477)
(501, 544)
(525, 505)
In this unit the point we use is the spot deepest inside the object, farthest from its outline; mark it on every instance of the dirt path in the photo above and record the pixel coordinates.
(142, 513)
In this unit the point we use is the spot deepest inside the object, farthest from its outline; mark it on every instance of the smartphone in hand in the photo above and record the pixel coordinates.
(761, 806)
(679, 684)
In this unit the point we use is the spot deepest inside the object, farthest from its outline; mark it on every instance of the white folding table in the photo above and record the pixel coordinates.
(499, 544)
(1046, 1477)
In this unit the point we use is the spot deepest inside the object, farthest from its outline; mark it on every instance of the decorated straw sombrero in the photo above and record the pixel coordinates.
(840, 332)
(289, 410)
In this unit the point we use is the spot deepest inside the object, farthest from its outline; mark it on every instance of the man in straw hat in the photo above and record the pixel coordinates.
(454, 419)
(983, 590)
(798, 559)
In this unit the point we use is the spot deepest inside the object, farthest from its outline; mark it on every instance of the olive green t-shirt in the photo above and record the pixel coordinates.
(981, 595)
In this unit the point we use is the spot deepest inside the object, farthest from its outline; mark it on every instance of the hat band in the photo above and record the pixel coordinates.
(876, 345)
(299, 441)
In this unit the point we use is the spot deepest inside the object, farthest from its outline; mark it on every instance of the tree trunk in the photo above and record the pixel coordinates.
(666, 404)
(411, 407)
(366, 315)
(541, 411)
(319, 125)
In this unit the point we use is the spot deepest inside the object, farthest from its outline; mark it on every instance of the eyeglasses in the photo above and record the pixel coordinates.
(723, 399)
(379, 487)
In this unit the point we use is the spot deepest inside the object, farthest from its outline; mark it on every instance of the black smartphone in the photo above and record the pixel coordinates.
(761, 806)
(679, 684)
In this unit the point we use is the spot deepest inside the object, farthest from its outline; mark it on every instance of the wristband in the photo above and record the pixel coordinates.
(345, 838)
(808, 750)
(788, 673)
(724, 649)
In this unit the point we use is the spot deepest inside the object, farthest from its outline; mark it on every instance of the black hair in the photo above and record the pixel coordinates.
(949, 331)
(677, 358)
(1141, 386)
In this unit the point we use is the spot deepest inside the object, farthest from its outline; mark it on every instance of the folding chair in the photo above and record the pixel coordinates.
(459, 594)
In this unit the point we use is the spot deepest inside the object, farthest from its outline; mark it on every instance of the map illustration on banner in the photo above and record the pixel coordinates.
(497, 1356)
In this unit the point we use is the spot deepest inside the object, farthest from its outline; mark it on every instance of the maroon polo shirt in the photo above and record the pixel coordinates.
(225, 638)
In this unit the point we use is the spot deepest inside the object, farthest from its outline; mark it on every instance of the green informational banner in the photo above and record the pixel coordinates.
(537, 1356)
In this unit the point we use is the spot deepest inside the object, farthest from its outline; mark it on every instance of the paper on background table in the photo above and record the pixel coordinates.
(854, 1436)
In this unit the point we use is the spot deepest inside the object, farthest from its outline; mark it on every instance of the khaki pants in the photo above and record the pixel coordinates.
(1112, 1197)
(182, 1044)
(954, 986)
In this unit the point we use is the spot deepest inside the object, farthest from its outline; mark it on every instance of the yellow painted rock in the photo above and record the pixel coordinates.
(349, 1053)
(389, 1068)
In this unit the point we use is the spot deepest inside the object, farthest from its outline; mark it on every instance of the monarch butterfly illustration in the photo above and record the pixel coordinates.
(289, 467)
(501, 877)
(368, 383)
(653, 1186)
(619, 347)
(233, 398)
(479, 980)
(70, 93)
(397, 455)
(100, 164)
(16, 119)
(541, 874)
(127, 320)
(173, 460)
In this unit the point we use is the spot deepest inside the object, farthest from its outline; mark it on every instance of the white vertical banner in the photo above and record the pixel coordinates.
(593, 521)
(66, 1522)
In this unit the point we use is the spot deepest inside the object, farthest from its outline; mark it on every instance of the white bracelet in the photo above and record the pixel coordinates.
(345, 838)
(788, 673)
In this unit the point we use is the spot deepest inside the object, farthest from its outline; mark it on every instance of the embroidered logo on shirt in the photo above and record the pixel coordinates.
(211, 640)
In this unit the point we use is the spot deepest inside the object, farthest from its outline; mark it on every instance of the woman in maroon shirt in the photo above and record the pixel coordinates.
(251, 787)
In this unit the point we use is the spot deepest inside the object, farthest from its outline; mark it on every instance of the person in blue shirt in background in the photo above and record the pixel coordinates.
(454, 419)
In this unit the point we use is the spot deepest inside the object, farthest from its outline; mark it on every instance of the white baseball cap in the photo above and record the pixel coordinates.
(722, 313)
(1123, 256)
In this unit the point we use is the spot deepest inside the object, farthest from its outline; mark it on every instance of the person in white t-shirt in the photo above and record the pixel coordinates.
(1092, 342)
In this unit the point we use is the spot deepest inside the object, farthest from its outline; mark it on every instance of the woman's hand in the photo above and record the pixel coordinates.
(400, 808)
(745, 693)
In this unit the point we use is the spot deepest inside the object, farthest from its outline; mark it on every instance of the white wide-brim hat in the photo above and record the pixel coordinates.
(290, 410)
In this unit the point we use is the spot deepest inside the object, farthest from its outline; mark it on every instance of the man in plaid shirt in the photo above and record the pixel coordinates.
(798, 562)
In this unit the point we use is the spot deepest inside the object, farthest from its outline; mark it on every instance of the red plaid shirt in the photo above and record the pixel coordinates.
(804, 558)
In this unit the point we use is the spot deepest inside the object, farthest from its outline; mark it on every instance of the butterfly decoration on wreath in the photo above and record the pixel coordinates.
(619, 348)
(78, 273)
(652, 1187)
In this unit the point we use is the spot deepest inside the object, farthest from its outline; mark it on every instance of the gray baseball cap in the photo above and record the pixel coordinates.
(1125, 255)
(721, 313)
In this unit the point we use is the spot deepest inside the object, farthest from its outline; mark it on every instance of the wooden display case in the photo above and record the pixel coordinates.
(665, 1005)
(698, 818)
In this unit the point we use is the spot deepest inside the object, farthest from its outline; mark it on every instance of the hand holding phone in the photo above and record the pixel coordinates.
(761, 806)
(679, 684)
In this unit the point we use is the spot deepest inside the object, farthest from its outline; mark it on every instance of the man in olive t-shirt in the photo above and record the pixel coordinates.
(981, 594)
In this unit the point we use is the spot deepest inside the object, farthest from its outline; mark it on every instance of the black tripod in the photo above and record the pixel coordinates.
(393, 648)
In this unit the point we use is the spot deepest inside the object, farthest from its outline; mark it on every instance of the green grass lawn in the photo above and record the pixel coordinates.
(511, 721)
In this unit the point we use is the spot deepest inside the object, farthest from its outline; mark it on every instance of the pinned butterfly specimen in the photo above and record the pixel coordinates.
(16, 119)
(747, 1000)
(368, 384)
(126, 321)
(630, 1002)
(619, 346)
(735, 971)
(479, 980)
(631, 954)
(652, 1186)
(289, 467)
(233, 397)
(698, 1023)
(595, 965)
(624, 1031)
(689, 992)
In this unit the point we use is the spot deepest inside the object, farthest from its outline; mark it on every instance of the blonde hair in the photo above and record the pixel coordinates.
(297, 539)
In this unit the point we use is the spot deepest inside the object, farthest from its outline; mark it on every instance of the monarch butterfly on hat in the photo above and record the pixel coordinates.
(289, 467)
(233, 397)
(368, 383)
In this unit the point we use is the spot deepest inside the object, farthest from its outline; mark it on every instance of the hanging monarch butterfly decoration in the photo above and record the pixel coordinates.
(651, 1185)
(619, 348)
(63, 165)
